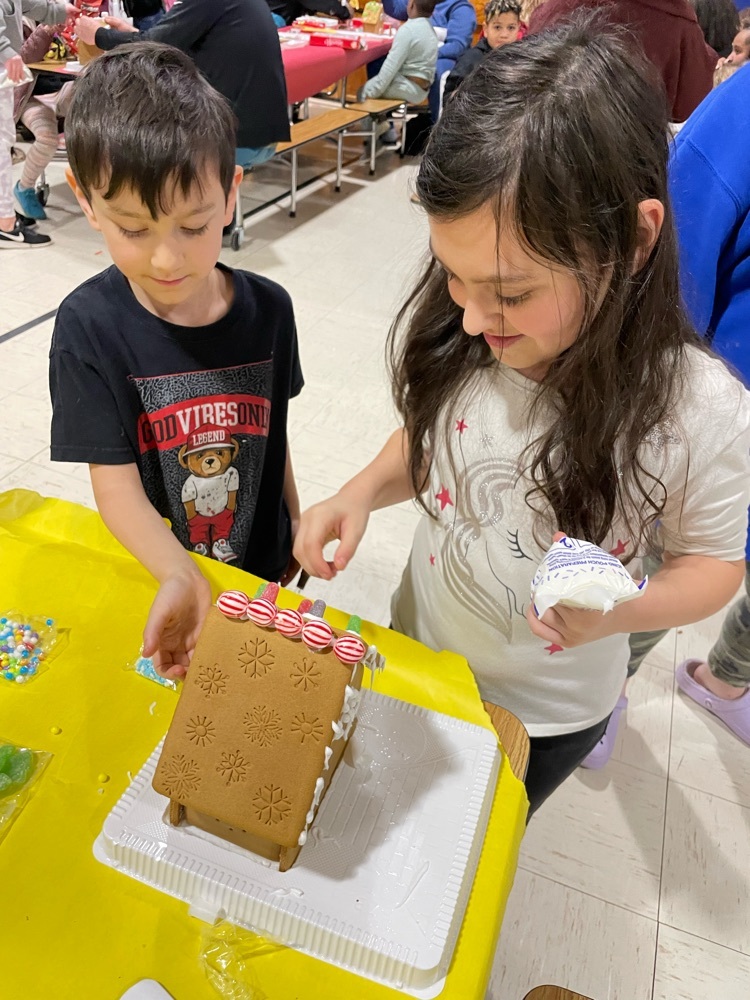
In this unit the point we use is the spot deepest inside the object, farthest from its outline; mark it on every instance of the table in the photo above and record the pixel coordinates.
(308, 69)
(554, 993)
(75, 929)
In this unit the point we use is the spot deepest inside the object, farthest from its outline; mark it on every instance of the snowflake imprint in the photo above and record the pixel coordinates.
(262, 725)
(232, 766)
(201, 731)
(256, 657)
(212, 680)
(271, 804)
(311, 728)
(306, 674)
(181, 776)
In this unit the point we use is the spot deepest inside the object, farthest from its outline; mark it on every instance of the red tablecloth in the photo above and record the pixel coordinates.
(309, 70)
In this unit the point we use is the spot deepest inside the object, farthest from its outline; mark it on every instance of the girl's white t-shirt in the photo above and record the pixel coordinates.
(466, 585)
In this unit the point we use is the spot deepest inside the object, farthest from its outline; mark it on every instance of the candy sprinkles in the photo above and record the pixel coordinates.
(306, 622)
(24, 646)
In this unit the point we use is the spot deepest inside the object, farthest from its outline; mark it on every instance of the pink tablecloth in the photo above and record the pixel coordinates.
(309, 70)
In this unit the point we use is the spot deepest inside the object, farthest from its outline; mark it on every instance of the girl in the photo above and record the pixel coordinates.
(548, 379)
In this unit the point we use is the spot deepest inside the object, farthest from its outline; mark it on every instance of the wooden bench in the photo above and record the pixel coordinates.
(514, 739)
(377, 108)
(554, 993)
(329, 123)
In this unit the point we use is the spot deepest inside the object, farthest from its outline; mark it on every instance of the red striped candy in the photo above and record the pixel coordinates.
(317, 633)
(349, 648)
(261, 611)
(288, 622)
(233, 603)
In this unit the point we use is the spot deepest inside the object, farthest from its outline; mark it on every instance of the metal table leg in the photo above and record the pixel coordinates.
(293, 207)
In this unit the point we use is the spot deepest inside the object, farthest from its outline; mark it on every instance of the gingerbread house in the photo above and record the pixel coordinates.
(264, 715)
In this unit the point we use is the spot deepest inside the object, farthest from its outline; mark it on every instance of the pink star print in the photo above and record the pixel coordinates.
(619, 549)
(444, 498)
(432, 559)
(553, 648)
(461, 426)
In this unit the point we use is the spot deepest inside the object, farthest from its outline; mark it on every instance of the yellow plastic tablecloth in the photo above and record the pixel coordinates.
(72, 928)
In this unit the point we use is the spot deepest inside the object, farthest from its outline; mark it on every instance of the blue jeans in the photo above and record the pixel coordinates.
(144, 23)
(247, 158)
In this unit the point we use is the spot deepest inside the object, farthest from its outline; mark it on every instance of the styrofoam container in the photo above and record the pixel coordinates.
(382, 884)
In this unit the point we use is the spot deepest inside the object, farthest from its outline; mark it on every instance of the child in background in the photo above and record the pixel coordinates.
(502, 24)
(409, 68)
(170, 374)
(13, 234)
(549, 380)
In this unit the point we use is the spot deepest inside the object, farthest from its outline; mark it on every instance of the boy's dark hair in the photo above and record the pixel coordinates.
(560, 138)
(144, 118)
(497, 7)
(425, 8)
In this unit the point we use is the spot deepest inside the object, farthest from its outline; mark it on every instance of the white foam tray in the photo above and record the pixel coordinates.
(382, 884)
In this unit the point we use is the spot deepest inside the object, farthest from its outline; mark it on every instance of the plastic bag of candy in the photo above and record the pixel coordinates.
(26, 642)
(581, 575)
(144, 666)
(20, 769)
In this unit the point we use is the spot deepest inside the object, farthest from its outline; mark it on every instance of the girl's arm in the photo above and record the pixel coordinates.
(395, 59)
(177, 614)
(385, 481)
(686, 589)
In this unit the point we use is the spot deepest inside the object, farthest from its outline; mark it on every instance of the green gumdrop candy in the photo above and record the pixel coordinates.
(5, 782)
(6, 756)
(354, 624)
(20, 767)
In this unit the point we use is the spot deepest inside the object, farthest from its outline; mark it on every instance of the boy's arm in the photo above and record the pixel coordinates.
(395, 59)
(396, 9)
(461, 25)
(181, 26)
(184, 596)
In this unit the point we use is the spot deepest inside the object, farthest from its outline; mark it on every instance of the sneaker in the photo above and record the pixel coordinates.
(222, 551)
(391, 138)
(201, 549)
(25, 221)
(27, 202)
(601, 753)
(22, 238)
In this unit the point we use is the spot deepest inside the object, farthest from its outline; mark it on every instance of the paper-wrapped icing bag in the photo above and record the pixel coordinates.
(581, 575)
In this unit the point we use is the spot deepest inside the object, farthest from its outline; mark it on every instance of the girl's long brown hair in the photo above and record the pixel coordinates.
(562, 134)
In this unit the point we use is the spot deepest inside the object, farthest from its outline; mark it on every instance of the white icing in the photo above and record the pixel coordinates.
(373, 659)
(349, 709)
(319, 786)
(328, 755)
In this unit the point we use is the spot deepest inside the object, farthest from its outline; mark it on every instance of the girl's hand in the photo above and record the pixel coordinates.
(86, 29)
(570, 627)
(340, 517)
(14, 67)
(174, 622)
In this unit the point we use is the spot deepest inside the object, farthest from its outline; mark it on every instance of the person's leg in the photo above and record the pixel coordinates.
(554, 758)
(42, 122)
(247, 157)
(7, 135)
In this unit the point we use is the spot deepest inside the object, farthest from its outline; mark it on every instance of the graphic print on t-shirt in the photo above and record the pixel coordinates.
(202, 442)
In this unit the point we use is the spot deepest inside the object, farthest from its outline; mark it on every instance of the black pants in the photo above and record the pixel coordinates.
(554, 758)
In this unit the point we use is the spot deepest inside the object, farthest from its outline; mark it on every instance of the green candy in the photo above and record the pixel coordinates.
(20, 767)
(5, 782)
(6, 753)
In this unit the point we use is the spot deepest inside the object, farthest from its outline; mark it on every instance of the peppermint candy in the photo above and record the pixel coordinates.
(317, 633)
(233, 603)
(288, 622)
(349, 648)
(262, 612)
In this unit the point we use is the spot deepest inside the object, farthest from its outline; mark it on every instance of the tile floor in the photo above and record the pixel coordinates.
(634, 882)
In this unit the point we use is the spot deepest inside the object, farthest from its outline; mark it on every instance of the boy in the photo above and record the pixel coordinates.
(409, 68)
(502, 22)
(13, 234)
(170, 374)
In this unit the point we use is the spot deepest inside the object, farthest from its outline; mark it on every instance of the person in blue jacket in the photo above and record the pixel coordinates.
(459, 20)
(709, 184)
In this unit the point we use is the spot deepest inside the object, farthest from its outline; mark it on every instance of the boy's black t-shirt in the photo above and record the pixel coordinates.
(201, 410)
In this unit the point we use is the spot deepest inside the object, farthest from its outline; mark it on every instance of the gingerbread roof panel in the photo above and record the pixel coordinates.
(248, 740)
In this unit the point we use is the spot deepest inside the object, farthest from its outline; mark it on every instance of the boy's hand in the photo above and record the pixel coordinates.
(14, 67)
(119, 24)
(174, 622)
(340, 517)
(86, 29)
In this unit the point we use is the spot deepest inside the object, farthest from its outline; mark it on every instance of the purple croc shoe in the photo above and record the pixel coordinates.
(734, 713)
(601, 753)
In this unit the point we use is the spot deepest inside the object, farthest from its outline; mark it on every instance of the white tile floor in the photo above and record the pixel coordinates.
(634, 882)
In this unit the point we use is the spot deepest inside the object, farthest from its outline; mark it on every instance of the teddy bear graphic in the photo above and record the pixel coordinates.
(209, 494)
